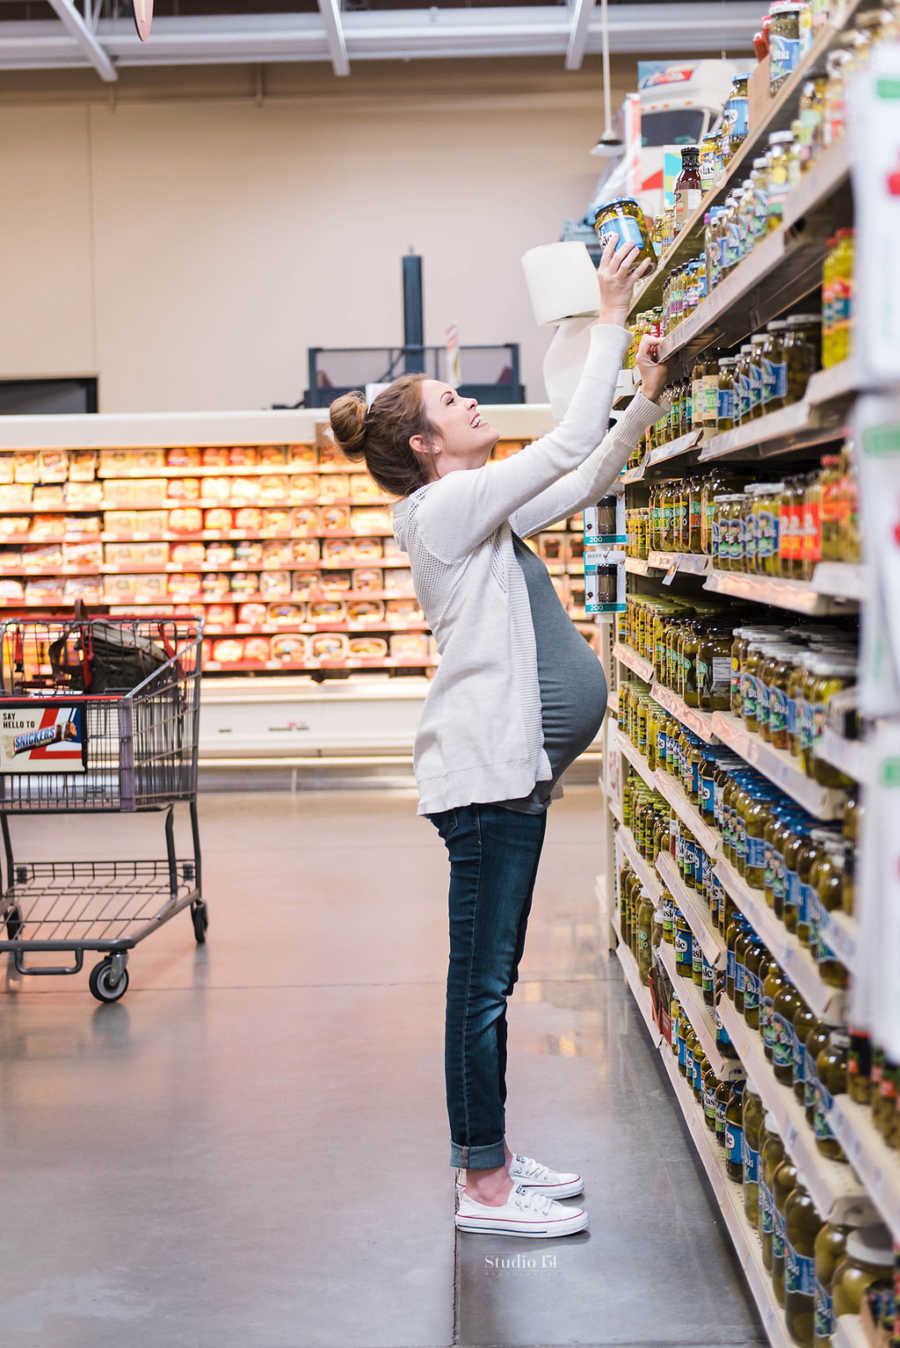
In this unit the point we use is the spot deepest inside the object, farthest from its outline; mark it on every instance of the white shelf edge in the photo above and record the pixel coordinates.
(827, 1181)
(640, 867)
(850, 756)
(780, 768)
(797, 596)
(673, 792)
(640, 994)
(673, 448)
(691, 563)
(840, 933)
(701, 1016)
(710, 940)
(785, 949)
(769, 427)
(700, 722)
(636, 663)
(636, 759)
(877, 1164)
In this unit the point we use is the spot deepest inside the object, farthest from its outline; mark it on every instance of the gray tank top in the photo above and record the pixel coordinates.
(571, 679)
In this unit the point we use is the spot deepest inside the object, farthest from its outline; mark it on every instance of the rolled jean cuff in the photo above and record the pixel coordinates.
(478, 1158)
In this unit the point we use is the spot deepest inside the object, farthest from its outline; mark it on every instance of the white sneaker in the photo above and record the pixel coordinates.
(525, 1170)
(526, 1212)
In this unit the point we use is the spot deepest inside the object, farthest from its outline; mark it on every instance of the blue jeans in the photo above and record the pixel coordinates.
(494, 855)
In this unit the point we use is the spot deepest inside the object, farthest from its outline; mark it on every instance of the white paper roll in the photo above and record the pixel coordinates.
(564, 362)
(562, 281)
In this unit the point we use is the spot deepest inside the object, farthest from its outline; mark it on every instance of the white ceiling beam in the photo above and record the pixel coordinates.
(578, 35)
(84, 39)
(389, 35)
(337, 46)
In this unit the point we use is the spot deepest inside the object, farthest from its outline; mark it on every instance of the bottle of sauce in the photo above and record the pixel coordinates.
(688, 187)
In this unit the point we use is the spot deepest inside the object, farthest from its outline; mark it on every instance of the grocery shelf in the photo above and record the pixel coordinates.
(635, 474)
(672, 791)
(639, 566)
(850, 756)
(244, 470)
(701, 1016)
(691, 563)
(798, 426)
(838, 381)
(781, 112)
(310, 666)
(695, 911)
(640, 867)
(632, 978)
(627, 384)
(877, 1164)
(673, 449)
(635, 758)
(799, 596)
(792, 956)
(829, 1182)
(779, 767)
(849, 1333)
(636, 663)
(729, 1197)
(273, 629)
(840, 932)
(700, 722)
(842, 580)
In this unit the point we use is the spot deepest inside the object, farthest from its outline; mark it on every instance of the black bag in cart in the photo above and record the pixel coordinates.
(100, 657)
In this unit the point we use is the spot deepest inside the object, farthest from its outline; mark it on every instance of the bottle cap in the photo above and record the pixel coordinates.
(872, 1245)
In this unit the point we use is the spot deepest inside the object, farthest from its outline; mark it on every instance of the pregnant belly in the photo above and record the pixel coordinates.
(572, 711)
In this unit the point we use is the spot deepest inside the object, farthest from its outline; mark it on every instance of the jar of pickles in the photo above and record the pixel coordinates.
(869, 1258)
(802, 352)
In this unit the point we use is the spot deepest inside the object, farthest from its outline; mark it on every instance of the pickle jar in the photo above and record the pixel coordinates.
(753, 1121)
(713, 666)
(816, 1040)
(775, 366)
(829, 1249)
(831, 1080)
(734, 1134)
(625, 222)
(771, 1155)
(802, 1224)
(725, 395)
(826, 880)
(784, 1007)
(829, 675)
(784, 1181)
(869, 1258)
(802, 353)
(804, 1021)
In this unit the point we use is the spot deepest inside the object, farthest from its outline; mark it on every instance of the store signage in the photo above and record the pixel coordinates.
(42, 739)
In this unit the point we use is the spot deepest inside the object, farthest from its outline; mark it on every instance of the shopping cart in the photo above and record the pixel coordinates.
(97, 714)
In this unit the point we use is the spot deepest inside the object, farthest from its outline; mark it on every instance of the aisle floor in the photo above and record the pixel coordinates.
(251, 1149)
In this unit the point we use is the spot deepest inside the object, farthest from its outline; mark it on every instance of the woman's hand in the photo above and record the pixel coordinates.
(653, 372)
(617, 274)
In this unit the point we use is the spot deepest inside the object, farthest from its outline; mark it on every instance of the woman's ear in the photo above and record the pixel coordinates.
(419, 445)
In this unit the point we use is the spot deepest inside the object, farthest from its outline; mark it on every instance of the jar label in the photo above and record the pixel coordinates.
(734, 1143)
(730, 970)
(751, 992)
(777, 1232)
(625, 229)
(725, 411)
(740, 976)
(809, 1081)
(698, 1075)
(781, 371)
(766, 1209)
(683, 953)
(682, 1051)
(782, 1041)
(799, 1272)
(778, 708)
(823, 1103)
(709, 1105)
(823, 1314)
(765, 1015)
(799, 1059)
(751, 1163)
(791, 888)
(707, 795)
(803, 904)
(756, 853)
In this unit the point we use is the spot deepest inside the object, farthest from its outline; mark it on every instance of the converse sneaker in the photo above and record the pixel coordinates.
(525, 1213)
(525, 1170)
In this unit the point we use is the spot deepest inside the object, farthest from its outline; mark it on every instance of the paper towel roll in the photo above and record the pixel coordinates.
(562, 281)
(564, 362)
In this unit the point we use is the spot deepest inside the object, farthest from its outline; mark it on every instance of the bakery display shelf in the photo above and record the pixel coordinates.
(876, 1164)
(798, 426)
(64, 509)
(695, 911)
(799, 596)
(233, 470)
(792, 956)
(636, 663)
(850, 756)
(700, 722)
(691, 563)
(640, 867)
(729, 1197)
(849, 1333)
(780, 767)
(348, 564)
(638, 991)
(674, 793)
(275, 629)
(311, 666)
(701, 1016)
(639, 566)
(780, 271)
(830, 1183)
(636, 759)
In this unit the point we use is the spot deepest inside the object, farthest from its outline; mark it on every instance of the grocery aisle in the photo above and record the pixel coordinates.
(250, 1150)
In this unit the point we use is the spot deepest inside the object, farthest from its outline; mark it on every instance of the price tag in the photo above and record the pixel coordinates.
(670, 575)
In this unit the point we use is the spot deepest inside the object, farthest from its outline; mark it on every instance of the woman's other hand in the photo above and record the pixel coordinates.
(617, 274)
(653, 372)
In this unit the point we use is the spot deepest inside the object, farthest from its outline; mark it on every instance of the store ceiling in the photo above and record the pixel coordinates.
(58, 34)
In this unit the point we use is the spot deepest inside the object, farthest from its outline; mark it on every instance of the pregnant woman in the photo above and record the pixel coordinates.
(518, 695)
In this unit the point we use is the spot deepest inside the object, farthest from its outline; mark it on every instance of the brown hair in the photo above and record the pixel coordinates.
(381, 433)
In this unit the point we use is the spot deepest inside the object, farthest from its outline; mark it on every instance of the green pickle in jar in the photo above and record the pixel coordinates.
(802, 1224)
(771, 1154)
(753, 1117)
(784, 1181)
(869, 1258)
(831, 1080)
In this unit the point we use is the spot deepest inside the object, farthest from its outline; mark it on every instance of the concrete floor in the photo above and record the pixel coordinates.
(251, 1149)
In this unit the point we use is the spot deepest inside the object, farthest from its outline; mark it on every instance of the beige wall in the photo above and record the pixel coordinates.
(188, 241)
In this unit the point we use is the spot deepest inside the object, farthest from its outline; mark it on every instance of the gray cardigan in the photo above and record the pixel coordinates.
(479, 736)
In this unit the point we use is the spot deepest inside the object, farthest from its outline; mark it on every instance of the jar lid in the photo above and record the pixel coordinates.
(760, 162)
(872, 1245)
(781, 137)
(784, 7)
(801, 320)
(777, 325)
(614, 205)
(758, 339)
(769, 488)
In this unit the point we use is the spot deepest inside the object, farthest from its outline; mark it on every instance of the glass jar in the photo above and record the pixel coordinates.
(753, 1115)
(804, 1021)
(784, 42)
(735, 117)
(734, 1134)
(775, 366)
(784, 1007)
(625, 222)
(817, 1038)
(802, 353)
(802, 1225)
(831, 1080)
(779, 156)
(826, 882)
(869, 1258)
(828, 676)
(757, 373)
(713, 669)
(829, 1249)
(771, 1154)
(784, 1181)
(723, 1095)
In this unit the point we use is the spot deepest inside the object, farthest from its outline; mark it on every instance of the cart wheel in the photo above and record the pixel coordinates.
(200, 919)
(13, 923)
(100, 985)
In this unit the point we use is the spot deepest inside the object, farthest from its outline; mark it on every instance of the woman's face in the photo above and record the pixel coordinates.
(463, 439)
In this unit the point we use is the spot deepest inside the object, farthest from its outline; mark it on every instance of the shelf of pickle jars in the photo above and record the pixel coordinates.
(780, 767)
(701, 1016)
(849, 756)
(799, 596)
(840, 932)
(636, 663)
(673, 449)
(785, 948)
(675, 795)
(641, 868)
(639, 566)
(849, 1333)
(640, 994)
(635, 758)
(781, 112)
(695, 913)
(876, 1164)
(800, 425)
(829, 1182)
(729, 1197)
(700, 722)
(690, 563)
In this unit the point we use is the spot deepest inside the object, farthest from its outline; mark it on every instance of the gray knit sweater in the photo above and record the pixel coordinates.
(479, 736)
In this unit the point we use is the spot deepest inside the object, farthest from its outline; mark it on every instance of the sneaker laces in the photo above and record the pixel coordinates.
(529, 1200)
(527, 1168)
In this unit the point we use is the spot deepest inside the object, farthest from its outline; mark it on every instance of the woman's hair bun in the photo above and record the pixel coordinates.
(348, 421)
